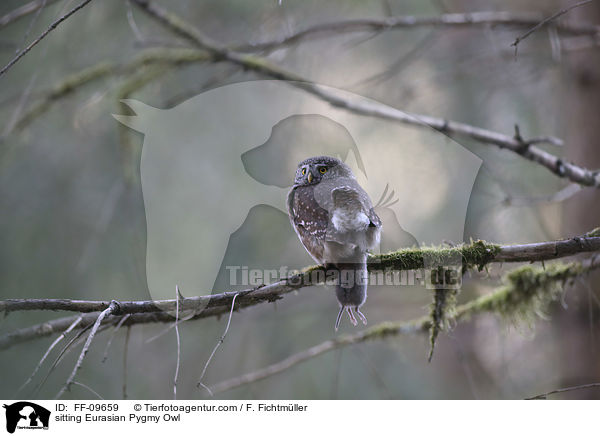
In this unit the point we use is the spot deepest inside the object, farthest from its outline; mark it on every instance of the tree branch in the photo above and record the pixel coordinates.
(407, 21)
(505, 300)
(108, 311)
(36, 41)
(216, 53)
(262, 66)
(568, 389)
(546, 21)
(474, 255)
(23, 11)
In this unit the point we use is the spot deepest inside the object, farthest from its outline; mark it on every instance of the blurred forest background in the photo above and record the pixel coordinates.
(72, 214)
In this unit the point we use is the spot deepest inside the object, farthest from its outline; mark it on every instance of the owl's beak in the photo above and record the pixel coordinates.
(309, 177)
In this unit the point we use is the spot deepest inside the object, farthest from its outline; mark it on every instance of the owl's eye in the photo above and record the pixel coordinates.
(323, 170)
(303, 171)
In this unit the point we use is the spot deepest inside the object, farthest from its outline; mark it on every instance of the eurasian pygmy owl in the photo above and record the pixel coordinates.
(335, 221)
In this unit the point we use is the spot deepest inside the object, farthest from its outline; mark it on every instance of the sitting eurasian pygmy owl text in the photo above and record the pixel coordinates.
(335, 221)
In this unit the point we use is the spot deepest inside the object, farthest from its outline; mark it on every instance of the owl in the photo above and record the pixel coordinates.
(335, 221)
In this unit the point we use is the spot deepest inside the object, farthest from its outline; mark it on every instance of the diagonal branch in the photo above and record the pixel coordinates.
(546, 21)
(260, 65)
(36, 41)
(568, 389)
(111, 309)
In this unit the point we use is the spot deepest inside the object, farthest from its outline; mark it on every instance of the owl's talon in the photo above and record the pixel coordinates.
(362, 317)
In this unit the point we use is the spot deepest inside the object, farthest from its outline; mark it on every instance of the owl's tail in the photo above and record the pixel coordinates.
(351, 290)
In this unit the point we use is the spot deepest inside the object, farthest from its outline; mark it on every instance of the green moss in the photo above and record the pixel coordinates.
(442, 310)
(526, 294)
(593, 233)
(474, 255)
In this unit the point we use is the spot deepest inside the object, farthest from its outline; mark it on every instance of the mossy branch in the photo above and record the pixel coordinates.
(474, 255)
(525, 296)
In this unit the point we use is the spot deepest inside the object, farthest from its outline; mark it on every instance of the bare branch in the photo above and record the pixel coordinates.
(36, 41)
(221, 339)
(546, 21)
(89, 389)
(112, 308)
(564, 194)
(71, 344)
(407, 21)
(23, 11)
(47, 353)
(570, 388)
(262, 66)
(125, 352)
(176, 377)
(378, 331)
(112, 337)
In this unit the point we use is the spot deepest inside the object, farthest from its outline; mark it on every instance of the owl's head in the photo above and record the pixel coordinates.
(314, 169)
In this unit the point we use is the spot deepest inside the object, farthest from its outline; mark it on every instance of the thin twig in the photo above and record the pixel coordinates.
(32, 23)
(108, 311)
(200, 384)
(112, 336)
(132, 24)
(88, 388)
(70, 345)
(23, 11)
(557, 391)
(168, 329)
(125, 351)
(377, 331)
(36, 41)
(178, 343)
(47, 353)
(401, 63)
(564, 194)
(546, 21)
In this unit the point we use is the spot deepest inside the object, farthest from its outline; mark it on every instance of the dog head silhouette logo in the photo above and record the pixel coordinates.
(25, 414)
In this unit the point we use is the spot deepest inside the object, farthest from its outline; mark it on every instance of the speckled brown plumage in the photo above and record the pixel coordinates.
(335, 221)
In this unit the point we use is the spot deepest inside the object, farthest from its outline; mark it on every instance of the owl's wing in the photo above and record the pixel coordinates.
(352, 209)
(353, 218)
